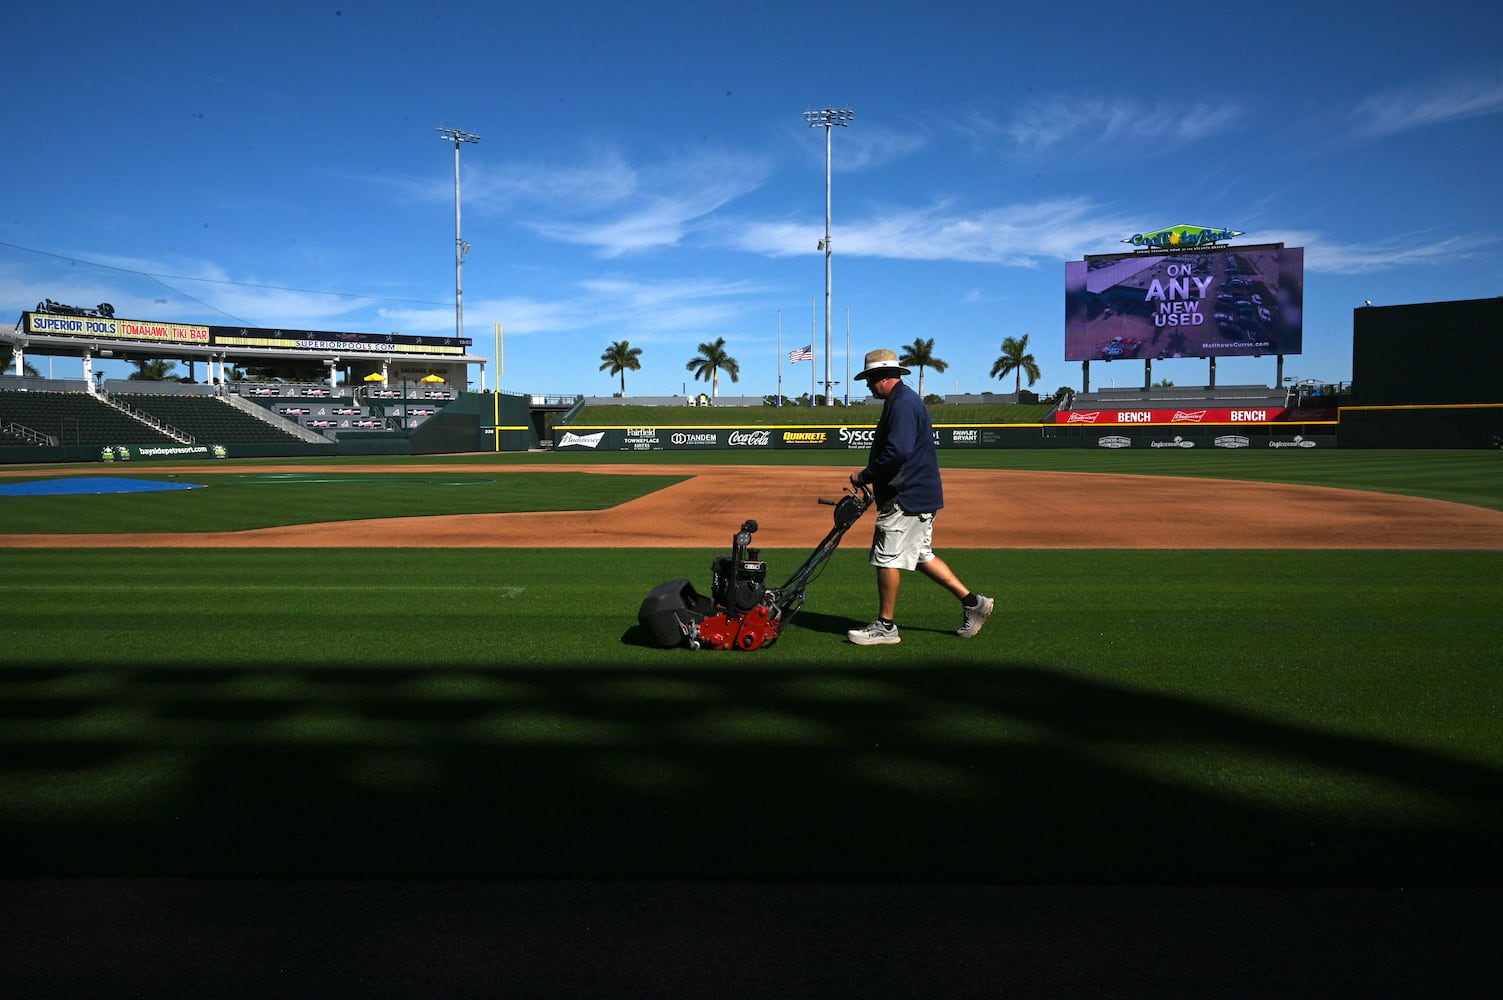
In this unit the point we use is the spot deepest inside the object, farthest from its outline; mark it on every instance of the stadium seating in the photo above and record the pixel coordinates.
(75, 418)
(208, 419)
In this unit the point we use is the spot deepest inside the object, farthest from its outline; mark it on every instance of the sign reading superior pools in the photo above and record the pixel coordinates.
(1163, 301)
(110, 328)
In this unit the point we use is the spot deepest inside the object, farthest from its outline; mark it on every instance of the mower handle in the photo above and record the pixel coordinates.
(849, 507)
(851, 491)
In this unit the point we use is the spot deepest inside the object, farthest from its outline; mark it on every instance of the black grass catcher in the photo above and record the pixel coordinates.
(742, 612)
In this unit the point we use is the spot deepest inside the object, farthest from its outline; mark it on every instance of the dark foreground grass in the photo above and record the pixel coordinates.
(1145, 777)
(1128, 718)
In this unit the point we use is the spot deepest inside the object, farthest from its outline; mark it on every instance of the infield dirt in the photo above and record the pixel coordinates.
(984, 509)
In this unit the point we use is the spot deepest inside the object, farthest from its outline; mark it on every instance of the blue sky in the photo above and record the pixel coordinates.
(645, 172)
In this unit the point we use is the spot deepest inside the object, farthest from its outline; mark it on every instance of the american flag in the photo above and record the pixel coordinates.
(802, 354)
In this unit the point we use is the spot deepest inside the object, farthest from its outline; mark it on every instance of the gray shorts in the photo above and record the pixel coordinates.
(902, 540)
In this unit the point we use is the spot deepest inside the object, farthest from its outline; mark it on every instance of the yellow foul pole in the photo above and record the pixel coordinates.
(496, 396)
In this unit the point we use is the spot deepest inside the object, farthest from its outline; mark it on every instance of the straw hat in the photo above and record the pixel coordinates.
(881, 361)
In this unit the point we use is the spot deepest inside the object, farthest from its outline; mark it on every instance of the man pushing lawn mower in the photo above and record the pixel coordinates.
(901, 476)
(902, 469)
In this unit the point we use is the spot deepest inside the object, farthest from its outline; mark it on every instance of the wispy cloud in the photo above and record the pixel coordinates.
(616, 208)
(1408, 108)
(1024, 235)
(864, 145)
(649, 309)
(1054, 123)
(603, 200)
(191, 291)
(1331, 258)
(601, 177)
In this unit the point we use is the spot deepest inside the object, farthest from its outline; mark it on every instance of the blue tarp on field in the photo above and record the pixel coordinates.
(79, 485)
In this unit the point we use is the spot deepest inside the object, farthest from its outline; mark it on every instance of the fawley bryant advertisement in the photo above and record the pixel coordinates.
(1222, 302)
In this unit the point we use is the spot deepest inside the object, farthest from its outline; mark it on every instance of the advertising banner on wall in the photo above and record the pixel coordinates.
(126, 453)
(91, 325)
(1201, 415)
(1230, 441)
(831, 438)
(1185, 429)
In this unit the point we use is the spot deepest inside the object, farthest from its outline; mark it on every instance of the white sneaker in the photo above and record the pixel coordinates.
(875, 634)
(975, 617)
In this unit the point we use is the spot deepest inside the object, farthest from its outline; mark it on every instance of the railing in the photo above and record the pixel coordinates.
(560, 400)
(27, 434)
(150, 421)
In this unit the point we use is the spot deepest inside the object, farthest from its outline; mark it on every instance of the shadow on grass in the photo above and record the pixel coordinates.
(935, 774)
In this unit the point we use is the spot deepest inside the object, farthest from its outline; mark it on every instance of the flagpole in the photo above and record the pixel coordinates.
(780, 357)
(848, 356)
(812, 394)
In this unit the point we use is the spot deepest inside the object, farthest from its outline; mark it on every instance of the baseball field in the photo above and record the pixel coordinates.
(1279, 671)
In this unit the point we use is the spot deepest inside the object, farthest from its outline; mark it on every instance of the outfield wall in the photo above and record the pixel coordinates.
(40, 455)
(473, 422)
(1477, 425)
(838, 437)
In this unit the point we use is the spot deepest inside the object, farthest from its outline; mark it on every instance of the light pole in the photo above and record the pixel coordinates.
(460, 246)
(826, 117)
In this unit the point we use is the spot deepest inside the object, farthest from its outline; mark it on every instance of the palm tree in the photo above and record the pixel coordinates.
(1016, 359)
(920, 355)
(710, 362)
(154, 370)
(619, 358)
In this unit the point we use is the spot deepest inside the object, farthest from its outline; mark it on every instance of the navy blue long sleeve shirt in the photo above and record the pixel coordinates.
(903, 463)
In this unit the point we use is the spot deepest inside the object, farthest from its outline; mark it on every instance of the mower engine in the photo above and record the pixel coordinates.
(747, 615)
(742, 612)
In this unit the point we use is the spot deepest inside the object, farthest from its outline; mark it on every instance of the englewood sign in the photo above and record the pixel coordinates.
(1181, 237)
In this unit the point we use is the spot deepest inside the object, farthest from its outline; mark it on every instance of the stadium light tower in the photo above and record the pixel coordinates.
(460, 246)
(826, 117)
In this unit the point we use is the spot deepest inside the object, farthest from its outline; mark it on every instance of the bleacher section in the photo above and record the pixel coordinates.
(62, 420)
(207, 419)
(68, 418)
(1175, 395)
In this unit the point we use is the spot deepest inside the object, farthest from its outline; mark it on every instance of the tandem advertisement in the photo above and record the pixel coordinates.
(1227, 302)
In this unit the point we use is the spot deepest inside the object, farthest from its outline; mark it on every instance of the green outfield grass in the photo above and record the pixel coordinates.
(1182, 717)
(1471, 477)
